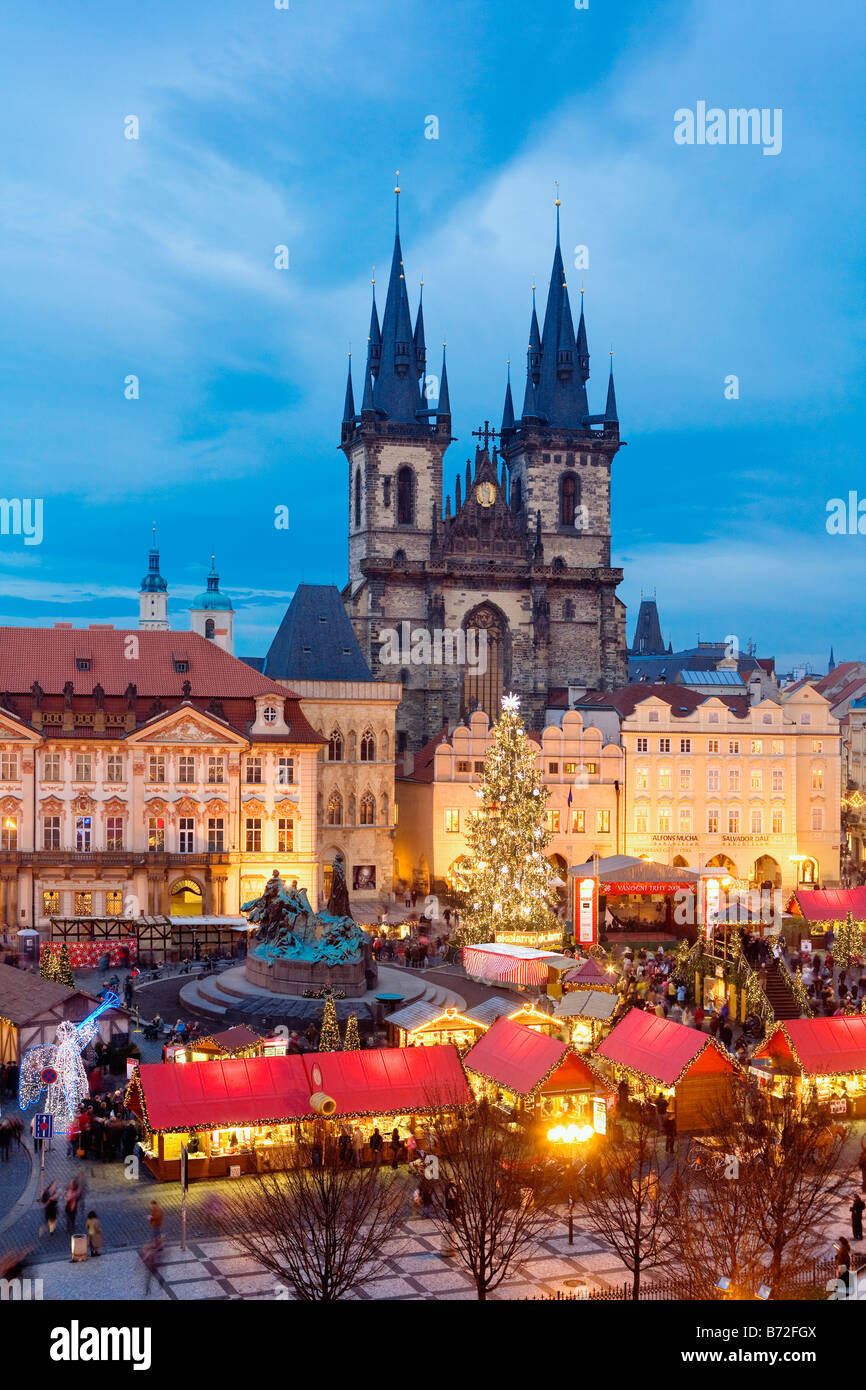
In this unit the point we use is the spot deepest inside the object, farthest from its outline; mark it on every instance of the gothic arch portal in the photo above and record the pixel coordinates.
(485, 680)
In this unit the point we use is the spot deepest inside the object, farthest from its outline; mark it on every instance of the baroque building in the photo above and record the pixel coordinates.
(521, 553)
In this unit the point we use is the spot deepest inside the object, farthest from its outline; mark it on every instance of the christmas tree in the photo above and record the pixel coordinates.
(48, 964)
(508, 883)
(64, 967)
(329, 1037)
(848, 942)
(352, 1039)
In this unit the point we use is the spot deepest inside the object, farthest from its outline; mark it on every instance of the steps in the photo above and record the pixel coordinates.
(781, 998)
(230, 994)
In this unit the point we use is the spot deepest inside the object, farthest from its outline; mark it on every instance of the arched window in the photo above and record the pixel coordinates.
(405, 497)
(335, 809)
(209, 628)
(335, 748)
(368, 747)
(486, 660)
(368, 809)
(569, 496)
(358, 497)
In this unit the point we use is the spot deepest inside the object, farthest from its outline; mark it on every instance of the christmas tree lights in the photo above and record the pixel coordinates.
(64, 967)
(508, 881)
(329, 1037)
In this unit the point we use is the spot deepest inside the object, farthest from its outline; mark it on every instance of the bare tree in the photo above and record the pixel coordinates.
(319, 1228)
(627, 1199)
(493, 1199)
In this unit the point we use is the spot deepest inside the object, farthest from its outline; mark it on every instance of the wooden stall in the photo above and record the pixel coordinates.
(824, 1058)
(31, 1009)
(238, 1041)
(587, 1015)
(590, 974)
(522, 1070)
(654, 1054)
(424, 1024)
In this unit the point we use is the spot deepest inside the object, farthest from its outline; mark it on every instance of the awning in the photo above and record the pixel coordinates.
(620, 873)
(516, 965)
(271, 1090)
(831, 904)
(659, 1049)
(515, 1057)
(820, 1046)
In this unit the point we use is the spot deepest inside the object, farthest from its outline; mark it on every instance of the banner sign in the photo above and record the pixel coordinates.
(616, 887)
(586, 911)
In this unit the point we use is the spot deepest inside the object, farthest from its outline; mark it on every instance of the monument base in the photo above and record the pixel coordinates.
(287, 976)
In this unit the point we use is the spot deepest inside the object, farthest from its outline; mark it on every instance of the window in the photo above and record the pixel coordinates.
(643, 745)
(553, 821)
(9, 833)
(569, 769)
(186, 835)
(756, 780)
(479, 766)
(817, 779)
(285, 835)
(51, 768)
(664, 779)
(712, 745)
(664, 745)
(817, 818)
(51, 832)
(83, 834)
(368, 747)
(84, 904)
(653, 716)
(664, 820)
(209, 629)
(8, 767)
(186, 769)
(253, 770)
(591, 769)
(641, 820)
(405, 497)
(553, 767)
(215, 769)
(181, 665)
(569, 496)
(733, 821)
(83, 767)
(713, 779)
(285, 772)
(113, 902)
(685, 779)
(778, 822)
(463, 765)
(270, 714)
(114, 833)
(757, 745)
(805, 718)
(767, 718)
(713, 821)
(641, 779)
(368, 809)
(713, 718)
(335, 809)
(253, 829)
(602, 822)
(685, 745)
(778, 780)
(156, 834)
(817, 745)
(733, 779)
(335, 747)
(82, 663)
(756, 821)
(733, 745)
(114, 768)
(778, 747)
(578, 822)
(215, 835)
(155, 768)
(452, 821)
(51, 902)
(685, 820)
(358, 497)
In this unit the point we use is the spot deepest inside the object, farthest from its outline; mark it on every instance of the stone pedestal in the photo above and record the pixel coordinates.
(285, 976)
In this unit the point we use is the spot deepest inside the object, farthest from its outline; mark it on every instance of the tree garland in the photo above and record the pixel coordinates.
(329, 1037)
(352, 1039)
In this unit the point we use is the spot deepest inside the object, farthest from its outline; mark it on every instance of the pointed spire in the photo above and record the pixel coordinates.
(561, 394)
(443, 408)
(349, 406)
(448, 507)
(508, 408)
(374, 341)
(581, 345)
(457, 497)
(534, 343)
(420, 345)
(396, 392)
(469, 475)
(831, 665)
(610, 415)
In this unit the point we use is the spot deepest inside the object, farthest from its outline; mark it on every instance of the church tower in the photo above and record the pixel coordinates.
(153, 595)
(212, 615)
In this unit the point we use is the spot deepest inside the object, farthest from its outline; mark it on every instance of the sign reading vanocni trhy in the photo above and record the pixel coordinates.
(616, 887)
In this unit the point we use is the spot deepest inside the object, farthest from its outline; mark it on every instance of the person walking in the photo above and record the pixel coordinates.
(5, 1140)
(70, 1205)
(861, 1162)
(376, 1144)
(156, 1217)
(670, 1129)
(857, 1208)
(395, 1147)
(358, 1145)
(49, 1204)
(93, 1227)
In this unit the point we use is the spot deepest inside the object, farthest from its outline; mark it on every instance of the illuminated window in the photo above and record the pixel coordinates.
(817, 779)
(569, 769)
(641, 820)
(368, 809)
(591, 769)
(641, 779)
(215, 769)
(114, 833)
(578, 822)
(778, 746)
(51, 832)
(713, 820)
(253, 770)
(685, 820)
(602, 822)
(8, 767)
(733, 745)
(215, 835)
(553, 821)
(817, 745)
(51, 902)
(83, 834)
(335, 747)
(9, 833)
(778, 823)
(452, 820)
(778, 780)
(756, 780)
(186, 768)
(685, 779)
(84, 904)
(712, 745)
(335, 809)
(664, 820)
(253, 828)
(156, 834)
(733, 821)
(83, 767)
(756, 821)
(114, 902)
(664, 779)
(114, 768)
(51, 768)
(285, 835)
(155, 768)
(757, 745)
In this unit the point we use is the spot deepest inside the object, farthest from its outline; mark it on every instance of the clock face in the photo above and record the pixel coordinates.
(485, 494)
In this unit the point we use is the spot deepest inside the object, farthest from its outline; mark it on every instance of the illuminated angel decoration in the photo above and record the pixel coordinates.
(62, 1060)
(511, 703)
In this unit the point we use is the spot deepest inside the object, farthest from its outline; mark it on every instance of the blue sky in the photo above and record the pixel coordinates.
(261, 127)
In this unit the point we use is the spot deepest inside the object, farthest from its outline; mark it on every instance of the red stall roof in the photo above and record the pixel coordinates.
(831, 904)
(516, 1057)
(259, 1090)
(590, 975)
(820, 1046)
(658, 1047)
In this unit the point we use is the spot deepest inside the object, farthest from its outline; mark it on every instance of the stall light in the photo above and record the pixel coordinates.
(570, 1134)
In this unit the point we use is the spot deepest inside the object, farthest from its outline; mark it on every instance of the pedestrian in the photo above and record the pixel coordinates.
(93, 1226)
(857, 1209)
(70, 1205)
(5, 1140)
(156, 1217)
(376, 1143)
(395, 1147)
(49, 1204)
(861, 1162)
(358, 1145)
(151, 1254)
(670, 1129)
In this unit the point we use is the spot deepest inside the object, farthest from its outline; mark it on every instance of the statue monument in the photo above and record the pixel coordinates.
(295, 948)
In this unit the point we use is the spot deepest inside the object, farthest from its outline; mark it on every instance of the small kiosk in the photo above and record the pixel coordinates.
(587, 1014)
(525, 1072)
(654, 1054)
(424, 1023)
(238, 1041)
(825, 1058)
(589, 974)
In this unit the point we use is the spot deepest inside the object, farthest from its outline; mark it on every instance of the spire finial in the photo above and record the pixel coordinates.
(558, 205)
(397, 204)
(373, 277)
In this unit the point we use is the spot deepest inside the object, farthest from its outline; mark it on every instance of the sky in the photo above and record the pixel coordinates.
(261, 127)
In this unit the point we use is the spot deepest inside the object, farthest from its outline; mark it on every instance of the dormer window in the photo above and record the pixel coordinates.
(181, 666)
(269, 714)
(82, 663)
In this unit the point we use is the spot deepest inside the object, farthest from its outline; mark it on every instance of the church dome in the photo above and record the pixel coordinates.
(212, 598)
(153, 582)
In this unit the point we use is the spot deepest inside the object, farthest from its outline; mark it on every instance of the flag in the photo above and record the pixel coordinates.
(569, 796)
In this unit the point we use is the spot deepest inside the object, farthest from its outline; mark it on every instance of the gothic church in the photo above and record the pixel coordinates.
(521, 549)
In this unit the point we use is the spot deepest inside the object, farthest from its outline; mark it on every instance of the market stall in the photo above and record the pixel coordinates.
(499, 963)
(821, 909)
(590, 974)
(424, 1023)
(587, 1015)
(653, 1054)
(238, 1041)
(250, 1114)
(824, 1058)
(523, 1071)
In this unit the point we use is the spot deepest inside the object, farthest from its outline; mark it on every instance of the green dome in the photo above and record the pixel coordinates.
(212, 598)
(153, 582)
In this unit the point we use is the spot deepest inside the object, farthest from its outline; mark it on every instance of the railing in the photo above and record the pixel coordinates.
(818, 1275)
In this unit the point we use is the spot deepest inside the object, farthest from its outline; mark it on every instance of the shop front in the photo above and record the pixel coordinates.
(824, 1059)
(238, 1041)
(253, 1114)
(587, 1015)
(637, 897)
(426, 1024)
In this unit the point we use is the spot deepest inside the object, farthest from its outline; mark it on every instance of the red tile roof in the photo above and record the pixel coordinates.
(681, 700)
(822, 1046)
(831, 904)
(654, 1047)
